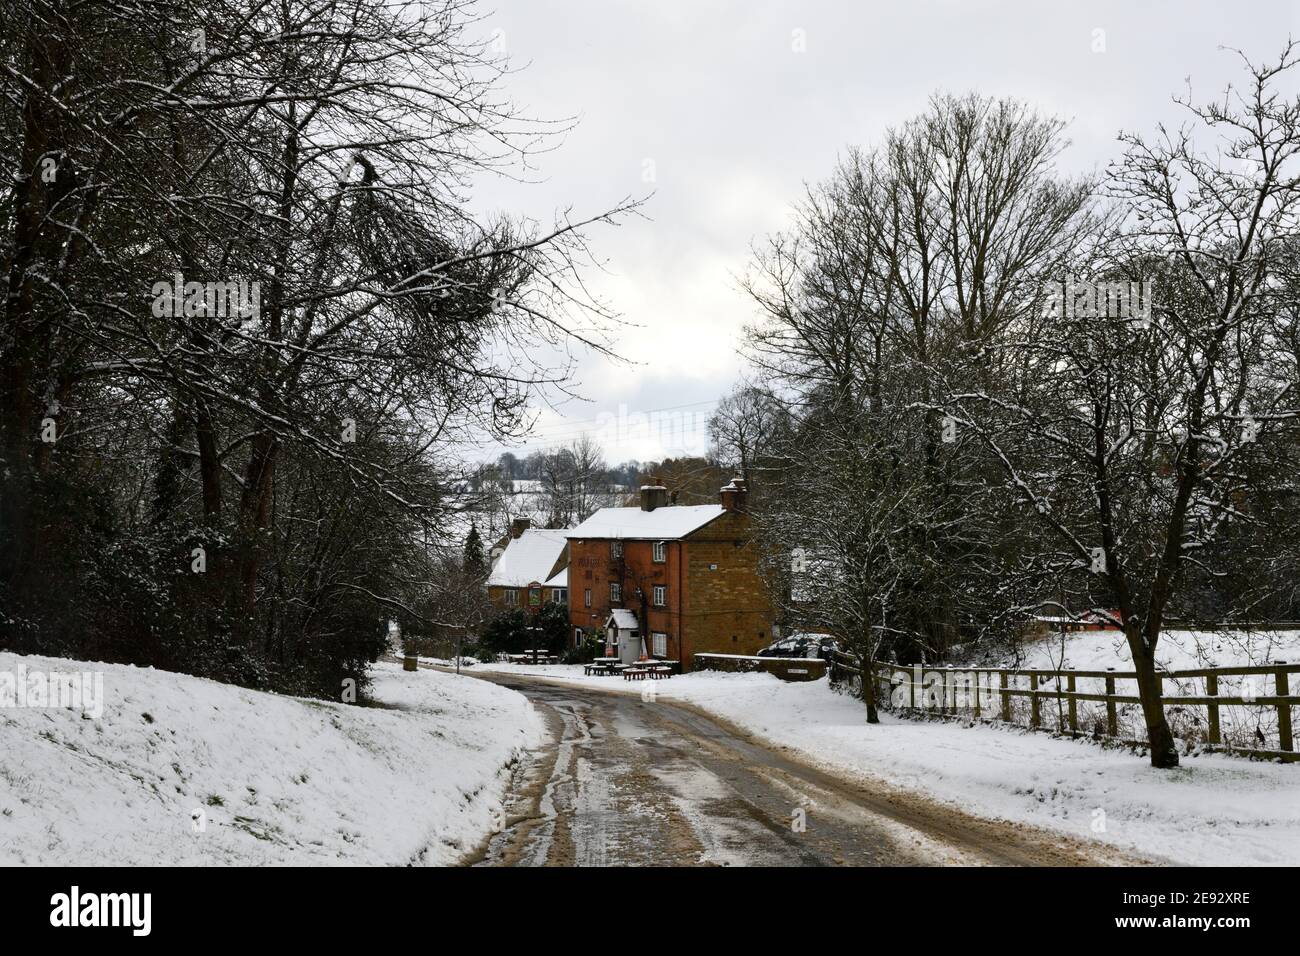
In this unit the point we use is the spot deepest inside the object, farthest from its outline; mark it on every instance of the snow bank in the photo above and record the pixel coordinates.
(1211, 810)
(184, 771)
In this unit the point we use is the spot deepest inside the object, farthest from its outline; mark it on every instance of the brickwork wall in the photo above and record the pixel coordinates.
(716, 600)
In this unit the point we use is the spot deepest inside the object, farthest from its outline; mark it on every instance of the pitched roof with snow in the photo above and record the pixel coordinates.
(529, 558)
(560, 579)
(623, 619)
(662, 524)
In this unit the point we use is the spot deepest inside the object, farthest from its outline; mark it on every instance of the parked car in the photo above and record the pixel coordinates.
(782, 648)
(802, 645)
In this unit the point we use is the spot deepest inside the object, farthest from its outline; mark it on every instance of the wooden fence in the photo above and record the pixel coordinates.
(1091, 703)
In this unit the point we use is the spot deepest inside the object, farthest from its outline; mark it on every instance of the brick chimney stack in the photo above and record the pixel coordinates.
(654, 496)
(733, 495)
(519, 525)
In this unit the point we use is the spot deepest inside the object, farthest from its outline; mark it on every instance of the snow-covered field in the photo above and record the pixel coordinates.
(1178, 649)
(1211, 810)
(271, 779)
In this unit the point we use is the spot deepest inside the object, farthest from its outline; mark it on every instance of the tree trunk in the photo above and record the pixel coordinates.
(1163, 752)
(205, 433)
(171, 464)
(255, 519)
(869, 689)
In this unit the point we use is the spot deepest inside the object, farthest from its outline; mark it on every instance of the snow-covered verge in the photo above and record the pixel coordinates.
(1211, 810)
(184, 771)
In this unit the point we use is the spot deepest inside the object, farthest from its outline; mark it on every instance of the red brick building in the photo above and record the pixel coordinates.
(688, 573)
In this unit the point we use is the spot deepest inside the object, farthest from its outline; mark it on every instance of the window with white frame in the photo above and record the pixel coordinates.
(615, 592)
(659, 644)
(660, 551)
(660, 595)
(512, 596)
(560, 595)
(586, 598)
(616, 549)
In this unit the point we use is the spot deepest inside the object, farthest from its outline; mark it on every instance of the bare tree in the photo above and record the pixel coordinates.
(904, 270)
(590, 478)
(743, 428)
(169, 149)
(1136, 438)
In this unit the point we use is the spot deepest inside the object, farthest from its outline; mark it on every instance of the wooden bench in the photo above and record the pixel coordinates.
(635, 673)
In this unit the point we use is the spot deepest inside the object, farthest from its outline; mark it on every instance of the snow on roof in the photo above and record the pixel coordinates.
(662, 524)
(624, 619)
(560, 580)
(528, 558)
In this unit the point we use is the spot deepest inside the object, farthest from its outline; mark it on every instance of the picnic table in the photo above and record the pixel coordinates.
(612, 666)
(655, 670)
(537, 656)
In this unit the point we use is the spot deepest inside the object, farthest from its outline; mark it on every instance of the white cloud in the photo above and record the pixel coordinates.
(735, 122)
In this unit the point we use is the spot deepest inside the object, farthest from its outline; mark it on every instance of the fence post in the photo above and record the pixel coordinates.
(975, 677)
(1283, 709)
(1112, 723)
(1002, 693)
(1035, 709)
(1212, 690)
(1074, 707)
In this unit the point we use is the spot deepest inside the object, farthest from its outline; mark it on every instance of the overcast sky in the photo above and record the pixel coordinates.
(732, 105)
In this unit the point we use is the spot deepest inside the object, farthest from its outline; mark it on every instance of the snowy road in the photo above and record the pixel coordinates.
(629, 782)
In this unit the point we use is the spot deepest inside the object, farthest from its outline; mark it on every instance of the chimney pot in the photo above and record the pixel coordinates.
(653, 496)
(733, 494)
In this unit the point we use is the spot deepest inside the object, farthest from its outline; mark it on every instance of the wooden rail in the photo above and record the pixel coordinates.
(975, 691)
